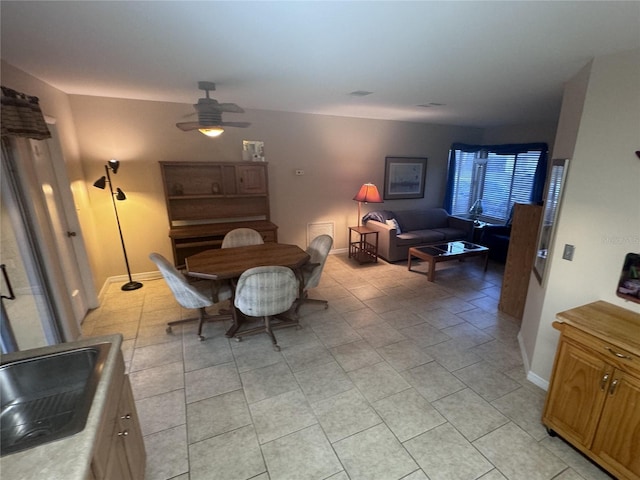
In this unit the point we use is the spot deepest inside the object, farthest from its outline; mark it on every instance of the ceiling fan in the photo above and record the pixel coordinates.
(210, 112)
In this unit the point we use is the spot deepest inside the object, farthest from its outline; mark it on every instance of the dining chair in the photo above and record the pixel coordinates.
(188, 296)
(266, 292)
(242, 237)
(318, 250)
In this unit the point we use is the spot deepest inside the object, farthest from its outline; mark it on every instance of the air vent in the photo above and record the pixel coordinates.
(360, 93)
(320, 228)
(431, 104)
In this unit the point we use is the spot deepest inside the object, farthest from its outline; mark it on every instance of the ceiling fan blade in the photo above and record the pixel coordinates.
(235, 124)
(188, 126)
(230, 107)
(210, 111)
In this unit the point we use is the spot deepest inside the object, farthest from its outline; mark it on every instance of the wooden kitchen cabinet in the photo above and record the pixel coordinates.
(594, 395)
(205, 200)
(129, 434)
(119, 452)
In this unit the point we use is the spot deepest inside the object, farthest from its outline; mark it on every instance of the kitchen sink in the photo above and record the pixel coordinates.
(48, 397)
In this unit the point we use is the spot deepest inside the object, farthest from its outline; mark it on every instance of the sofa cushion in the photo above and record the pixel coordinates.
(419, 237)
(452, 233)
(410, 220)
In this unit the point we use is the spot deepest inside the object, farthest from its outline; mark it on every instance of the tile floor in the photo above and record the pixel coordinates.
(399, 379)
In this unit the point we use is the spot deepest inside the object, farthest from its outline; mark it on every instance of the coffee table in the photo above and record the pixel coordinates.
(444, 252)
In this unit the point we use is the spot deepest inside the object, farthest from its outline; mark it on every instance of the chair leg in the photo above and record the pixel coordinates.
(267, 326)
(202, 319)
(315, 301)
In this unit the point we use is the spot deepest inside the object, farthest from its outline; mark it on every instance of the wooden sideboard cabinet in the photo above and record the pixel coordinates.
(205, 200)
(594, 395)
(520, 256)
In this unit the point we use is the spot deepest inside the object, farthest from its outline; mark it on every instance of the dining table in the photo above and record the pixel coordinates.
(230, 263)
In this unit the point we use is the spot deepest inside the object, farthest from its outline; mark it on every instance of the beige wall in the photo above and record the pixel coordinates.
(526, 133)
(55, 104)
(336, 154)
(600, 212)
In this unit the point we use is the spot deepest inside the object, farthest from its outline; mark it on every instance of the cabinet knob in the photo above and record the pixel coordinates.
(603, 382)
(123, 434)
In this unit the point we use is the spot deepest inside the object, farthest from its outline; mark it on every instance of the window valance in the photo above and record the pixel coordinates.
(21, 116)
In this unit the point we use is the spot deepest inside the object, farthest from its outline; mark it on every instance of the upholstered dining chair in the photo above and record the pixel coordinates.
(242, 237)
(318, 250)
(188, 296)
(266, 292)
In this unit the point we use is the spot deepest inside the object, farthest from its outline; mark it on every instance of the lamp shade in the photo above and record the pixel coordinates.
(101, 182)
(476, 209)
(114, 165)
(368, 194)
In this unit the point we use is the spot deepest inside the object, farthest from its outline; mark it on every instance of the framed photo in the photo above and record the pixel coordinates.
(404, 177)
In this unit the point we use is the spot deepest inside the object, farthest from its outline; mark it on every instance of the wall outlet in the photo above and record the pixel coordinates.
(567, 254)
(299, 172)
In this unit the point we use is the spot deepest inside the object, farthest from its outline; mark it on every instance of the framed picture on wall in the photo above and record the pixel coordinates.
(404, 177)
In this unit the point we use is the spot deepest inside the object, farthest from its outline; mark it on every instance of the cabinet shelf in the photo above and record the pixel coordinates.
(190, 197)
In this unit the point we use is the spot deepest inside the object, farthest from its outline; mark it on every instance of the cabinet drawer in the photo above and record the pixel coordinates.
(618, 357)
(268, 235)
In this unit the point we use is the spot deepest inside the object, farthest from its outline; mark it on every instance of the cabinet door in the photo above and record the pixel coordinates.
(617, 440)
(128, 423)
(252, 179)
(117, 467)
(577, 393)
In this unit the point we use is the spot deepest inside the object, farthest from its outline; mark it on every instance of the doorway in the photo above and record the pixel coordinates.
(42, 246)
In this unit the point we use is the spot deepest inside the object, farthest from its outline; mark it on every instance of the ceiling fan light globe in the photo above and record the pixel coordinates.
(211, 131)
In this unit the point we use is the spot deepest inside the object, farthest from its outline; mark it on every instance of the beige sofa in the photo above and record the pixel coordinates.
(417, 227)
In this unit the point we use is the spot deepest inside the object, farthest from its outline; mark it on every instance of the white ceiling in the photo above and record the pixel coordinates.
(490, 63)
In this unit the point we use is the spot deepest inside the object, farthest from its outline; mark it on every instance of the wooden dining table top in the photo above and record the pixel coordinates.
(229, 263)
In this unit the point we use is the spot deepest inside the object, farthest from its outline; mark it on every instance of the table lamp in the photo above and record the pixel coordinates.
(368, 194)
(476, 211)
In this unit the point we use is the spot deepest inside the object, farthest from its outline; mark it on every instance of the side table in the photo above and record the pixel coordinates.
(365, 247)
(477, 231)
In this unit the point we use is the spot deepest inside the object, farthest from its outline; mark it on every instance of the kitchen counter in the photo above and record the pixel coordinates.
(68, 458)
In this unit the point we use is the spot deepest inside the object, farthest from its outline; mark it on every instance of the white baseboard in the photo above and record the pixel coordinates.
(139, 277)
(532, 377)
(539, 381)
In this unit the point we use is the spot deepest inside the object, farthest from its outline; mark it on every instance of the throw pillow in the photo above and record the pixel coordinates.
(393, 223)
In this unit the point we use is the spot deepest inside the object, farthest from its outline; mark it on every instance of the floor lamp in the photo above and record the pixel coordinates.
(113, 165)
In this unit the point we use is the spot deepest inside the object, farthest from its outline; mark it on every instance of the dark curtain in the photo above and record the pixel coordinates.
(539, 180)
(21, 116)
(451, 178)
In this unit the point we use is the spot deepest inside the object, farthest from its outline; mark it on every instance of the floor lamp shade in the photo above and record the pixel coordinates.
(368, 193)
(113, 165)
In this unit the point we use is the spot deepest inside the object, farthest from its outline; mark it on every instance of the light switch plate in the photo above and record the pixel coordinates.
(567, 254)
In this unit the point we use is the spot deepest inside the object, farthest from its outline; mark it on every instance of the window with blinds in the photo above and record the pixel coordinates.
(500, 180)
